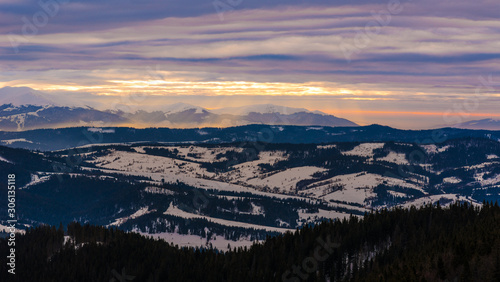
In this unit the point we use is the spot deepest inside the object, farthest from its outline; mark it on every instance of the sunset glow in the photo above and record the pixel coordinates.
(413, 64)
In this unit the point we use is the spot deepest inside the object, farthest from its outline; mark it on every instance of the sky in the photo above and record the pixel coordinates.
(407, 64)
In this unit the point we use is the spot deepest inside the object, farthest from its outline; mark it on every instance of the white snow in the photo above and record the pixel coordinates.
(136, 162)
(101, 130)
(487, 182)
(430, 148)
(2, 159)
(139, 213)
(492, 156)
(394, 157)
(6, 228)
(314, 128)
(327, 146)
(279, 128)
(185, 240)
(397, 194)
(452, 180)
(356, 187)
(201, 183)
(364, 149)
(435, 198)
(286, 180)
(434, 149)
(174, 210)
(10, 141)
(36, 179)
(173, 170)
(256, 209)
(305, 217)
(202, 154)
(444, 148)
(158, 190)
(68, 239)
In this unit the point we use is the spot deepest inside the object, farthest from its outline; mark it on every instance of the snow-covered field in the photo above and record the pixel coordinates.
(353, 192)
(173, 210)
(394, 157)
(186, 240)
(173, 170)
(435, 198)
(364, 149)
(356, 187)
(326, 214)
(452, 180)
(489, 181)
(285, 181)
(139, 213)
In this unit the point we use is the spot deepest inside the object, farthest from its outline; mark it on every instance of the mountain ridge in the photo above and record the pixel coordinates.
(63, 138)
(488, 123)
(45, 113)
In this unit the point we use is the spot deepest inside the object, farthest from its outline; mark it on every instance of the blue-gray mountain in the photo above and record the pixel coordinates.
(63, 138)
(23, 108)
(489, 124)
(26, 117)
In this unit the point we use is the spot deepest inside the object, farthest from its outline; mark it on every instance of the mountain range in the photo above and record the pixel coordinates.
(23, 108)
(64, 138)
(230, 187)
(235, 193)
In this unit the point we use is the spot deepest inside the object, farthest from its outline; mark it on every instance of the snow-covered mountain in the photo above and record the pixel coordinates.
(24, 108)
(181, 107)
(25, 117)
(487, 124)
(186, 115)
(19, 96)
(297, 118)
(262, 109)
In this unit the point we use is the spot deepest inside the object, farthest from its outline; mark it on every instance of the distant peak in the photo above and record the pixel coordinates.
(487, 124)
(18, 96)
(263, 109)
(181, 107)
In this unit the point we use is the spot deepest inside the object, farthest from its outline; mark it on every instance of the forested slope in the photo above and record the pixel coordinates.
(459, 243)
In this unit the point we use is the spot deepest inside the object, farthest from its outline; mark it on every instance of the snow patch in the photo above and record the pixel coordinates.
(453, 180)
(139, 213)
(185, 240)
(2, 159)
(364, 150)
(101, 130)
(394, 157)
(174, 210)
(10, 141)
(6, 229)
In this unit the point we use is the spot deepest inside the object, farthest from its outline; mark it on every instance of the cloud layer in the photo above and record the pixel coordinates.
(397, 56)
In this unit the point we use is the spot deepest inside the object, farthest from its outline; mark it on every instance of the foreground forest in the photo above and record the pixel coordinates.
(459, 243)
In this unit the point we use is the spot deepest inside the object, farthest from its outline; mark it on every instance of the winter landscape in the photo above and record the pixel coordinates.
(249, 141)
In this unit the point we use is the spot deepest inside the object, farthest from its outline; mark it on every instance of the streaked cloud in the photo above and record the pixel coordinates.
(427, 53)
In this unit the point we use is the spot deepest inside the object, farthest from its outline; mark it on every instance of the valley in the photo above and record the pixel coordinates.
(233, 194)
